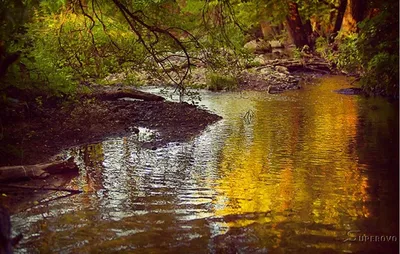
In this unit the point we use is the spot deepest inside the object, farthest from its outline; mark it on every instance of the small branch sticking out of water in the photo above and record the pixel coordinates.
(248, 117)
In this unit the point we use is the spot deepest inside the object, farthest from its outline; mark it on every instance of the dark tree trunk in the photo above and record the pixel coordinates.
(6, 59)
(339, 18)
(5, 231)
(356, 11)
(295, 26)
(309, 33)
(6, 242)
(359, 9)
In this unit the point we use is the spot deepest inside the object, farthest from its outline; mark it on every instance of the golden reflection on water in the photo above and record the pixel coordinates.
(301, 165)
(307, 142)
(291, 177)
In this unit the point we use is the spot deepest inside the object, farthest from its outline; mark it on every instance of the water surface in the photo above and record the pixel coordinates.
(307, 171)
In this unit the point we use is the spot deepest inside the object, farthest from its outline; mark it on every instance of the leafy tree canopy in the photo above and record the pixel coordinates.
(55, 45)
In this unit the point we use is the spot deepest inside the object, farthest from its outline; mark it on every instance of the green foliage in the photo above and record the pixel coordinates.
(218, 82)
(63, 43)
(349, 58)
(323, 48)
(297, 53)
(52, 6)
(40, 66)
(133, 79)
(346, 57)
(13, 15)
(60, 48)
(382, 75)
(378, 45)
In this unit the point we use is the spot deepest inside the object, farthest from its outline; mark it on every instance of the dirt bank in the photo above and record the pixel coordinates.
(48, 130)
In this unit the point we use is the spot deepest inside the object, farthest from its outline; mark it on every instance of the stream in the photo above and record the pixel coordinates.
(305, 171)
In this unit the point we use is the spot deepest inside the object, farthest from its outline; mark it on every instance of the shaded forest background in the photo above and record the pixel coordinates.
(54, 48)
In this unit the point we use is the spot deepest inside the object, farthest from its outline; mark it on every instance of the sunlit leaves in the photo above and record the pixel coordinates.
(52, 6)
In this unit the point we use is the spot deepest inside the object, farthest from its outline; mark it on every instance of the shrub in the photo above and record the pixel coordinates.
(133, 79)
(349, 58)
(378, 45)
(218, 82)
(382, 75)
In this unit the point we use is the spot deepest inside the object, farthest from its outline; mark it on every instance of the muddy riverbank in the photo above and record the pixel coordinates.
(37, 138)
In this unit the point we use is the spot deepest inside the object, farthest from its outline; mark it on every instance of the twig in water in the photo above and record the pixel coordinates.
(42, 188)
(248, 117)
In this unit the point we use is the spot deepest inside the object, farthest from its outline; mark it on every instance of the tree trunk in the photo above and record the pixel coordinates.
(309, 33)
(295, 27)
(6, 59)
(5, 231)
(339, 18)
(6, 242)
(355, 12)
(359, 9)
(304, 65)
(266, 29)
(14, 173)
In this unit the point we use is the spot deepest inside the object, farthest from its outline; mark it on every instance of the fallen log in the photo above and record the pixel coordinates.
(292, 65)
(112, 95)
(14, 173)
(72, 191)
